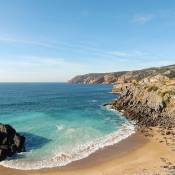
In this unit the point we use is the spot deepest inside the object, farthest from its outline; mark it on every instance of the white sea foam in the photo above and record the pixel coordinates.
(109, 107)
(60, 127)
(120, 113)
(80, 152)
(70, 131)
(94, 101)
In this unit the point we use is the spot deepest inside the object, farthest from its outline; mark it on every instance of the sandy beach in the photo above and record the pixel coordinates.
(146, 152)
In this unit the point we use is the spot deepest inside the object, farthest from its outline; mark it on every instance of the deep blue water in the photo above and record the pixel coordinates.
(62, 122)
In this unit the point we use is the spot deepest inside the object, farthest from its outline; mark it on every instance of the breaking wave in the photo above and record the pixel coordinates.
(80, 152)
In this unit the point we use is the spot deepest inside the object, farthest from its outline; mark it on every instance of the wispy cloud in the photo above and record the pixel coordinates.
(36, 68)
(142, 19)
(81, 48)
(119, 53)
(38, 61)
(128, 54)
(13, 40)
(78, 48)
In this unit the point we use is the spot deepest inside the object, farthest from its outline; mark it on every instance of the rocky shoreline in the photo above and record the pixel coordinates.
(11, 142)
(147, 96)
(149, 102)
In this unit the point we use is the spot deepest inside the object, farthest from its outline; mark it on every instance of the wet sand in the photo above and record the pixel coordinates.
(137, 154)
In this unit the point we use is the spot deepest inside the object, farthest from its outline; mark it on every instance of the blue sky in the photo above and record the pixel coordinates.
(54, 40)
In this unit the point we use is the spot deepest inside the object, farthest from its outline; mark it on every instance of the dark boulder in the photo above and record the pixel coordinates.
(10, 142)
(3, 154)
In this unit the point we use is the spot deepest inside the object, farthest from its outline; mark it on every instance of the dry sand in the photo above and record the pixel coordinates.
(146, 152)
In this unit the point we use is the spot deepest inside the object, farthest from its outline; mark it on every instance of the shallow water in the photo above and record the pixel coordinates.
(62, 122)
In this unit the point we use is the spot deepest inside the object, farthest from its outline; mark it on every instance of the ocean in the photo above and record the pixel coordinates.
(62, 122)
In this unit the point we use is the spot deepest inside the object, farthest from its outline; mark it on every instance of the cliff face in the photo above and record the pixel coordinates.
(96, 78)
(123, 77)
(147, 96)
(150, 101)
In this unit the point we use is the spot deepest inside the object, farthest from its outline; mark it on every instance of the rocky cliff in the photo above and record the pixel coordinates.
(123, 77)
(147, 96)
(96, 78)
(149, 102)
(10, 142)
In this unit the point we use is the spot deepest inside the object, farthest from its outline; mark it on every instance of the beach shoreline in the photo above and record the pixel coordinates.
(99, 157)
(139, 153)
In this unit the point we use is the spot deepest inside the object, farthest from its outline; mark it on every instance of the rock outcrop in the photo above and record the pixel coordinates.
(149, 102)
(123, 77)
(94, 78)
(10, 142)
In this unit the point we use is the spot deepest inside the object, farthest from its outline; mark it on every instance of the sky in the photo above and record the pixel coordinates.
(54, 40)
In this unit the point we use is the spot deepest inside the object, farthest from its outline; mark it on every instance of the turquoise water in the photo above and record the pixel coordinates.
(62, 122)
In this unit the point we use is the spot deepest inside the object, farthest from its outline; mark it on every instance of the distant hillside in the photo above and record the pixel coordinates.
(124, 76)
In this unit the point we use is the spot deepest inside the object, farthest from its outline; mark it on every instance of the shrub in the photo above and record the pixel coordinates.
(152, 88)
(169, 92)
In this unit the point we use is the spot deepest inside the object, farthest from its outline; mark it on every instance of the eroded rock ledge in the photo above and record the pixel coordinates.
(10, 142)
(149, 102)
